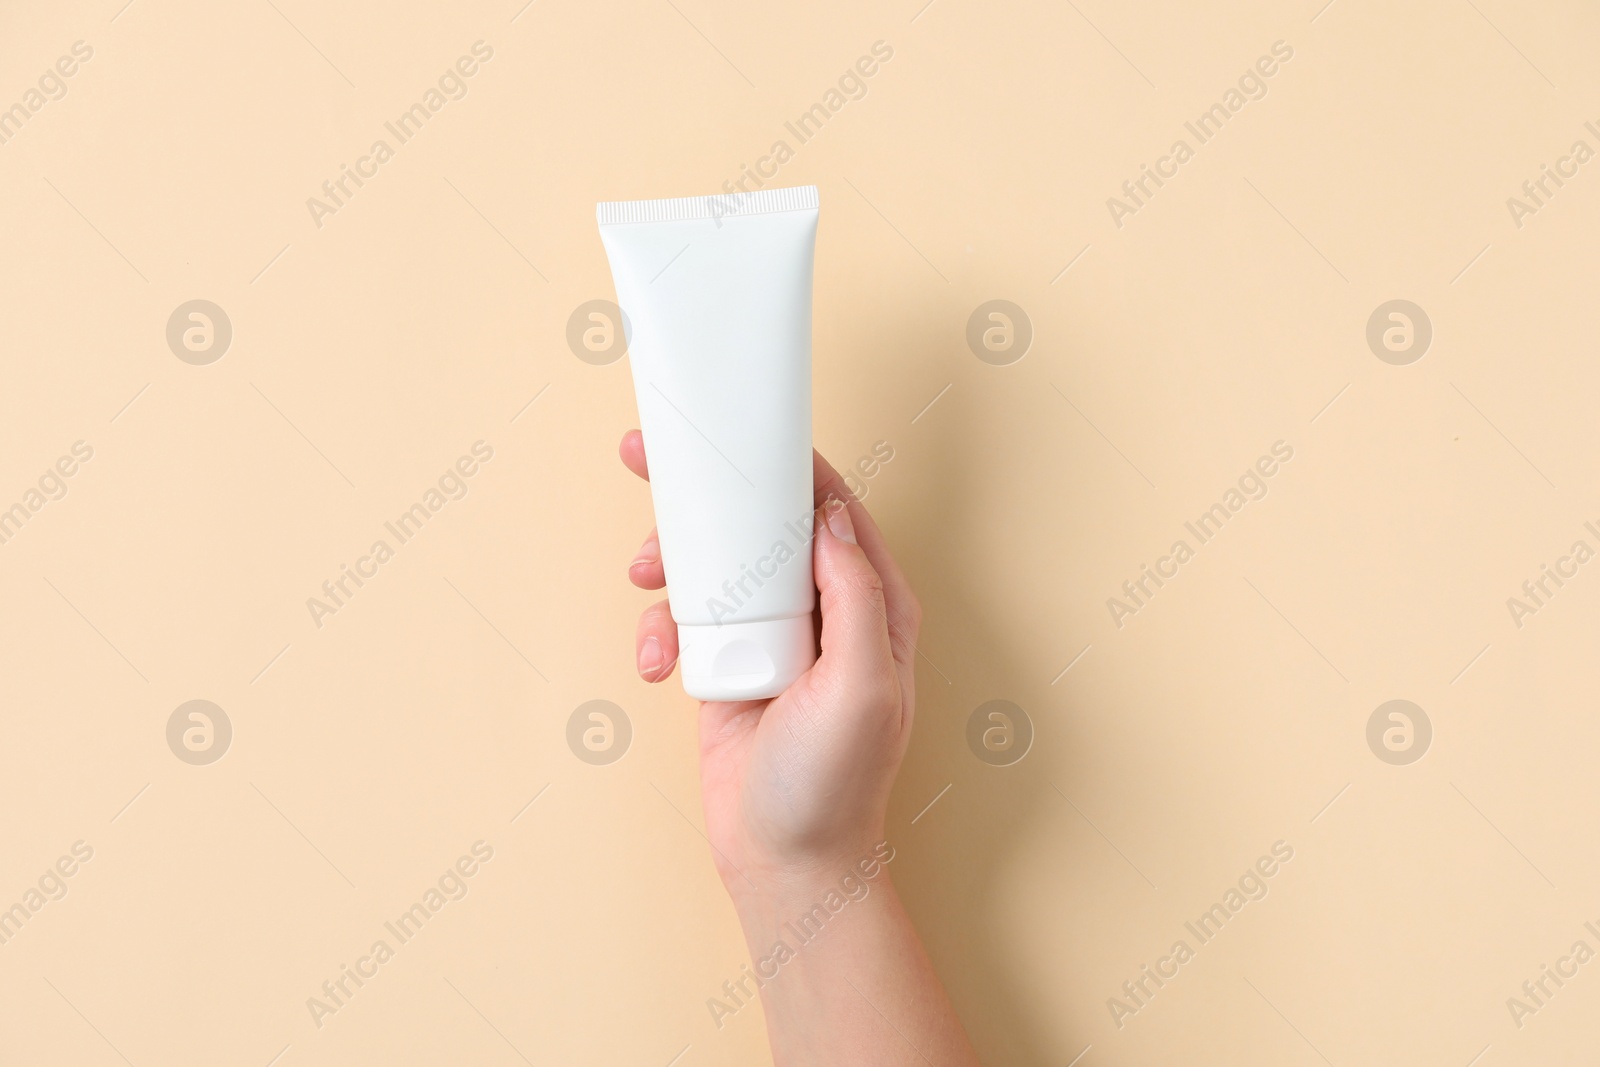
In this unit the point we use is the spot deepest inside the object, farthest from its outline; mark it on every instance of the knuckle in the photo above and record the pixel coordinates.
(866, 584)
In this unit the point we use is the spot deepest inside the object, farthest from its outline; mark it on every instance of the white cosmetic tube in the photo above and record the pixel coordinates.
(716, 298)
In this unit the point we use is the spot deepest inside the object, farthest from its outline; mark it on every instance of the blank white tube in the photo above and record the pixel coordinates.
(716, 296)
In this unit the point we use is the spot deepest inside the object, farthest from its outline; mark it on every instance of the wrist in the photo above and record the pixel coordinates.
(767, 894)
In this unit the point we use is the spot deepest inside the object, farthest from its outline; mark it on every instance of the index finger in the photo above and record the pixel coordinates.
(632, 452)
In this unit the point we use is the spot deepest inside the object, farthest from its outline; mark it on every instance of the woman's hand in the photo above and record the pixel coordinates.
(796, 789)
(798, 785)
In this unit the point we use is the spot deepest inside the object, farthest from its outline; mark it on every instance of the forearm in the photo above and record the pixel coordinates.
(844, 977)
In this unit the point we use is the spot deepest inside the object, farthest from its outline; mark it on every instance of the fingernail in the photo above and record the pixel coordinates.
(650, 658)
(839, 520)
(649, 552)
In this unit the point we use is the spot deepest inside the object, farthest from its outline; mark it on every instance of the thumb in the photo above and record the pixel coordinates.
(856, 655)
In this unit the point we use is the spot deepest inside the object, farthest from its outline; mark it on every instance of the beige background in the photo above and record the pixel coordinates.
(368, 354)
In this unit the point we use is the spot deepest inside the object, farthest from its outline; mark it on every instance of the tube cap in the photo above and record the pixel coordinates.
(745, 660)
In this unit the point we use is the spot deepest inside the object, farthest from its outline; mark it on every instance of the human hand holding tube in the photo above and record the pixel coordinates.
(801, 781)
(796, 789)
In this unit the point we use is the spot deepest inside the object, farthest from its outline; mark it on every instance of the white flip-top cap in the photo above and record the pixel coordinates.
(745, 660)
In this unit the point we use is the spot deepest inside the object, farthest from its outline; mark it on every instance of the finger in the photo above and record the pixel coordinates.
(856, 653)
(646, 571)
(656, 643)
(901, 606)
(632, 452)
